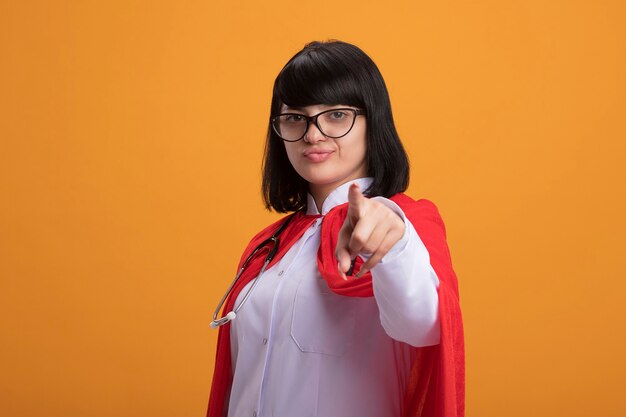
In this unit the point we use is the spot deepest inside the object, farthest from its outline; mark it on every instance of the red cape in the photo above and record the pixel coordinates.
(436, 387)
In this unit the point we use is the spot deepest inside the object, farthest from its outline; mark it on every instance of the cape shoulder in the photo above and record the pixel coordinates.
(423, 208)
(429, 225)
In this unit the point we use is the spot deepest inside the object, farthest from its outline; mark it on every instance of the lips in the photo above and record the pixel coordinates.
(317, 155)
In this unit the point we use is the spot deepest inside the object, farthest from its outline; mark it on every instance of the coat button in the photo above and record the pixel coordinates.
(280, 274)
(264, 341)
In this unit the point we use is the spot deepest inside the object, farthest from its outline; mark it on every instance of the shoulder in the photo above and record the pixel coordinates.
(256, 240)
(267, 231)
(289, 228)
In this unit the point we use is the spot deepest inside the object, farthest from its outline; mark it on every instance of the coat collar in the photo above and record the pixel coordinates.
(338, 196)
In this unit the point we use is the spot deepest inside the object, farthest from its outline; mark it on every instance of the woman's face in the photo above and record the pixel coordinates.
(326, 162)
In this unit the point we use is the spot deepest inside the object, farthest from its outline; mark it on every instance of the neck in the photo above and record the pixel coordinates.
(320, 192)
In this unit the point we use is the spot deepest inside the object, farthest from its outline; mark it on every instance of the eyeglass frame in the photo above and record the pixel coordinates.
(313, 119)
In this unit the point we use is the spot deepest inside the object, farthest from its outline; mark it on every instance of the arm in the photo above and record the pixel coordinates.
(405, 287)
(403, 280)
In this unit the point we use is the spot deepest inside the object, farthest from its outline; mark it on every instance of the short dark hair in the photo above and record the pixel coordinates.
(334, 72)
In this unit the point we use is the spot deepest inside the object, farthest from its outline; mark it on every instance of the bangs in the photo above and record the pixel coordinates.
(317, 78)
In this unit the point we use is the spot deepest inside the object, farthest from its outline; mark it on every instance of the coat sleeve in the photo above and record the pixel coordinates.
(405, 287)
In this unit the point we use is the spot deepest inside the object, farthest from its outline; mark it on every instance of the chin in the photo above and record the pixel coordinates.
(319, 178)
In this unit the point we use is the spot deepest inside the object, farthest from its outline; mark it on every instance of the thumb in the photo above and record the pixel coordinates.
(342, 251)
(343, 261)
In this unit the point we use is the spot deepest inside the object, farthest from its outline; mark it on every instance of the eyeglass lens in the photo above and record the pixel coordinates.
(332, 123)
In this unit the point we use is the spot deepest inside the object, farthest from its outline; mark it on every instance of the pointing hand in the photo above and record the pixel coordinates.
(370, 227)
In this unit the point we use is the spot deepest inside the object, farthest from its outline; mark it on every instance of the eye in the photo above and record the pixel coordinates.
(338, 115)
(293, 118)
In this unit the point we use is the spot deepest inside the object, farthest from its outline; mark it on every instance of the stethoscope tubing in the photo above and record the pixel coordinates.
(232, 314)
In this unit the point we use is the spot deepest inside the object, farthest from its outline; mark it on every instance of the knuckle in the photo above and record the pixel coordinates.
(354, 247)
(358, 239)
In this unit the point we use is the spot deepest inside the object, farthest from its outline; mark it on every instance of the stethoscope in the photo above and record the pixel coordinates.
(270, 255)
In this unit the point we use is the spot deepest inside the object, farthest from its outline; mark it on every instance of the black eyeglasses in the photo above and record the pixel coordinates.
(333, 123)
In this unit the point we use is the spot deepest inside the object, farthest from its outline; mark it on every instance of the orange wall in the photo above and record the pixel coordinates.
(131, 135)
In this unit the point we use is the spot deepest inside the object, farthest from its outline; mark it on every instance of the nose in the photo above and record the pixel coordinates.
(313, 134)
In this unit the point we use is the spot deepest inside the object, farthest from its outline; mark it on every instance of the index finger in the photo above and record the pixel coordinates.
(356, 201)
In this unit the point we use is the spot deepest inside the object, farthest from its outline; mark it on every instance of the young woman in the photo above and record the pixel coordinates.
(349, 305)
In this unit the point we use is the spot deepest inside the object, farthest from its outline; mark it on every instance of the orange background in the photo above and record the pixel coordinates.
(131, 135)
